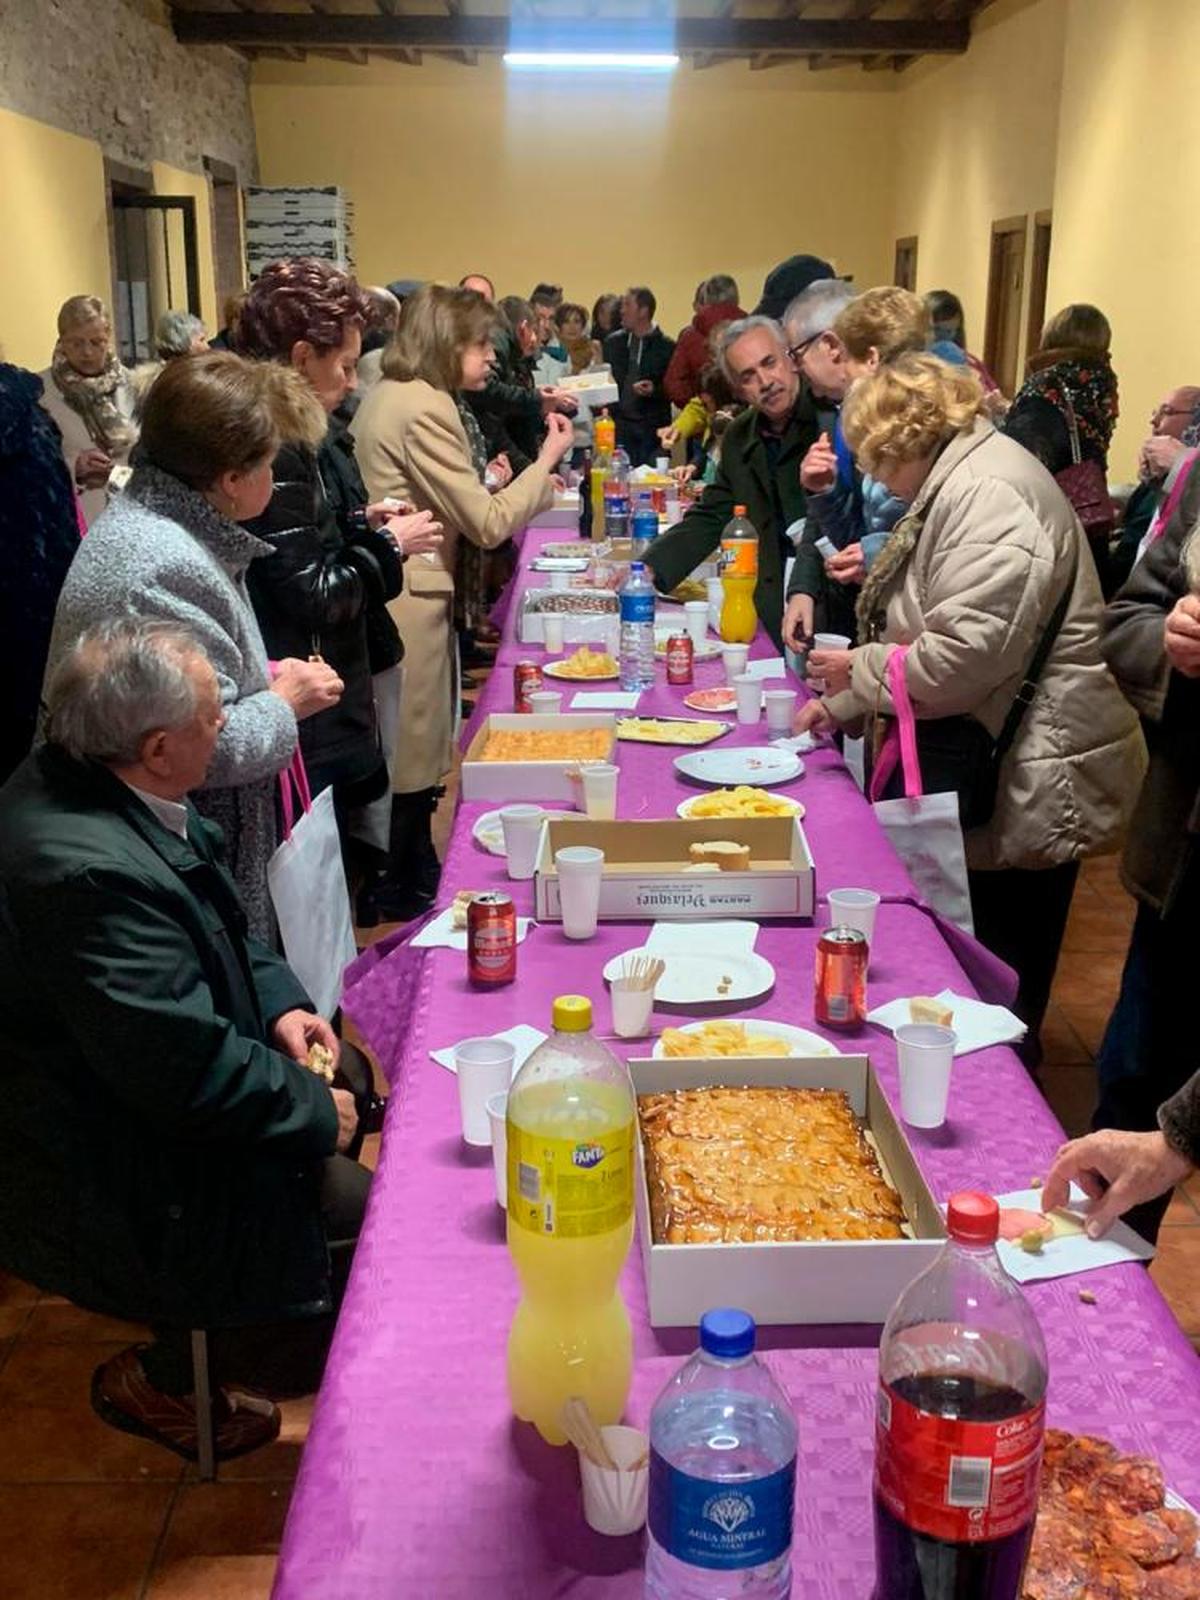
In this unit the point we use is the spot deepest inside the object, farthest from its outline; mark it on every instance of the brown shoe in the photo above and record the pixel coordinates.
(123, 1397)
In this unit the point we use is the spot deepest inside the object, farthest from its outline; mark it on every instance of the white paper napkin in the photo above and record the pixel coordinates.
(1060, 1258)
(977, 1024)
(523, 1038)
(707, 938)
(800, 744)
(606, 700)
(771, 667)
(440, 933)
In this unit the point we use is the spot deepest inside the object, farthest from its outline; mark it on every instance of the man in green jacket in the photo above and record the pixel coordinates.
(761, 454)
(168, 1157)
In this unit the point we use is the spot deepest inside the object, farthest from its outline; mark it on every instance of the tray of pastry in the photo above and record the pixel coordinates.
(788, 1181)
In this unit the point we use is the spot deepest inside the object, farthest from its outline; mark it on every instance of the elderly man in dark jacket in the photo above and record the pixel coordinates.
(1152, 646)
(761, 452)
(168, 1155)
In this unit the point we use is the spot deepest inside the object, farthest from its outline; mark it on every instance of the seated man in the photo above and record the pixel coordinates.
(761, 452)
(168, 1156)
(1174, 435)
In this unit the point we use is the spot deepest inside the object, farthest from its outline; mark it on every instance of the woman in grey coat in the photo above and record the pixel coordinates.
(170, 548)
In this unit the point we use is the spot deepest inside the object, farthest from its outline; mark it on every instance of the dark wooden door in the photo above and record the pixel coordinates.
(904, 274)
(1006, 284)
(1039, 272)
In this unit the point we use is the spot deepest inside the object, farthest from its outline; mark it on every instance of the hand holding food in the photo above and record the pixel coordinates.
(818, 470)
(1116, 1171)
(833, 666)
(307, 686)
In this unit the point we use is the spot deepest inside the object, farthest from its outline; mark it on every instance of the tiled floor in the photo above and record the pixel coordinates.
(87, 1513)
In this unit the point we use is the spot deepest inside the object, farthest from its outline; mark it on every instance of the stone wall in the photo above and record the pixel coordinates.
(112, 71)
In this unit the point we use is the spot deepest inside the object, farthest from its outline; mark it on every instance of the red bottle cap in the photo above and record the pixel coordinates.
(973, 1218)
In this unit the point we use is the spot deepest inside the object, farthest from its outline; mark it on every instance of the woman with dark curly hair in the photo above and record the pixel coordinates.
(337, 560)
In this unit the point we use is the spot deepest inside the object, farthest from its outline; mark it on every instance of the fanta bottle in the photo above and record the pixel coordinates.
(739, 576)
(604, 436)
(570, 1223)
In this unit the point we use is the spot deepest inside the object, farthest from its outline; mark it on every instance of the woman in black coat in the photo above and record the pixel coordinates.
(39, 535)
(337, 560)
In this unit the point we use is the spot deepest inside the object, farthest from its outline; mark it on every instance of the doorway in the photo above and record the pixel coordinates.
(1006, 283)
(904, 273)
(229, 256)
(1039, 272)
(157, 265)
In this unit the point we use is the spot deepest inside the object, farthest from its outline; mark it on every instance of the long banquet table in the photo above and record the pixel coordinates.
(416, 1484)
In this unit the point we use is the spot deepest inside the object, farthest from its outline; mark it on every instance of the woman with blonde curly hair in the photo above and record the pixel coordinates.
(985, 573)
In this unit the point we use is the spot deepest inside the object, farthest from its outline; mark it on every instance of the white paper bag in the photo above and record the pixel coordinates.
(924, 829)
(308, 889)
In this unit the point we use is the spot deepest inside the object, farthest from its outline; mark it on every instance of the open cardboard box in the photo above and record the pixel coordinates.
(644, 864)
(506, 781)
(808, 1282)
(580, 627)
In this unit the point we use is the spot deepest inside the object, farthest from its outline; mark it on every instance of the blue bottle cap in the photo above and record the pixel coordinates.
(727, 1333)
(636, 566)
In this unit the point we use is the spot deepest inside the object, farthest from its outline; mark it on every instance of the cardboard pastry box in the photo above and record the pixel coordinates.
(508, 781)
(645, 877)
(807, 1282)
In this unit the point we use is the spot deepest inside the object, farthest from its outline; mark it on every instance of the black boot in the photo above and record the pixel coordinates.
(407, 887)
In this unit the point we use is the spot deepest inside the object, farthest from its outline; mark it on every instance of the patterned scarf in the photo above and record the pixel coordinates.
(885, 570)
(1087, 381)
(94, 398)
(476, 443)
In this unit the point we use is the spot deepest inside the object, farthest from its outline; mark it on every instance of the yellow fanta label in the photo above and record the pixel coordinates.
(570, 1188)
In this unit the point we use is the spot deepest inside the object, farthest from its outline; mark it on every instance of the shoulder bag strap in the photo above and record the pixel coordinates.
(1024, 696)
(1072, 427)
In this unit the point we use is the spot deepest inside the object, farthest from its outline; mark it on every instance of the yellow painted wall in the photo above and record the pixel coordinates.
(976, 138)
(1126, 225)
(593, 183)
(56, 238)
(173, 180)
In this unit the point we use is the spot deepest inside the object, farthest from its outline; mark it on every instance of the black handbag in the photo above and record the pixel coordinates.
(959, 756)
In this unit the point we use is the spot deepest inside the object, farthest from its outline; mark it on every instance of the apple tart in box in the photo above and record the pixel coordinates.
(762, 1165)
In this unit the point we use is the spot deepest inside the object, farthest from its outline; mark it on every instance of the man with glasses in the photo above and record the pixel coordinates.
(1174, 436)
(761, 454)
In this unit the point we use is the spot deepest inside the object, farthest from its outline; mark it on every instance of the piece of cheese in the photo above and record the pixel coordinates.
(730, 857)
(922, 1009)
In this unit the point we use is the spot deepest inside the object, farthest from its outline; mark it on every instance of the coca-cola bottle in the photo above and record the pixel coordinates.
(958, 1431)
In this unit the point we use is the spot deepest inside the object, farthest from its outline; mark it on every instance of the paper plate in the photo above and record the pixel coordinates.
(801, 1040)
(685, 809)
(711, 700)
(694, 977)
(488, 832)
(557, 669)
(560, 564)
(760, 765)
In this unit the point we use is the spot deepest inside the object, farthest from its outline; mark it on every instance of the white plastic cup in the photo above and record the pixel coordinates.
(580, 867)
(631, 1008)
(826, 641)
(615, 1502)
(926, 1055)
(673, 510)
(695, 620)
(522, 826)
(553, 634)
(600, 790)
(497, 1110)
(560, 581)
(484, 1068)
(545, 701)
(749, 693)
(716, 599)
(781, 712)
(854, 908)
(735, 657)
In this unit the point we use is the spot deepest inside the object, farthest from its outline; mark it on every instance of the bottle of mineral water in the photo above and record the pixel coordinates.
(722, 1473)
(637, 629)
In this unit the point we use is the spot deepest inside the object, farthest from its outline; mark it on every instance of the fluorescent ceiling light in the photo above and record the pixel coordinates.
(585, 60)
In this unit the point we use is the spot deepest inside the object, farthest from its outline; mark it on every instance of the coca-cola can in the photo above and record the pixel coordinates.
(680, 655)
(527, 680)
(840, 998)
(491, 940)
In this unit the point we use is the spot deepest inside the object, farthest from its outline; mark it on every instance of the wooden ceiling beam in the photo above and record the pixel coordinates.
(740, 35)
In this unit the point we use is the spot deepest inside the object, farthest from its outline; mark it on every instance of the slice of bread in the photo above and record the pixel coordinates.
(730, 857)
(923, 1009)
(458, 908)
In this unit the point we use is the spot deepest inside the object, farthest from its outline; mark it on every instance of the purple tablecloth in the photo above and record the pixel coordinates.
(416, 1482)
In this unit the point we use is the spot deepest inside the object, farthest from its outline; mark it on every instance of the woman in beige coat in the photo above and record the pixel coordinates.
(92, 399)
(970, 580)
(412, 445)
